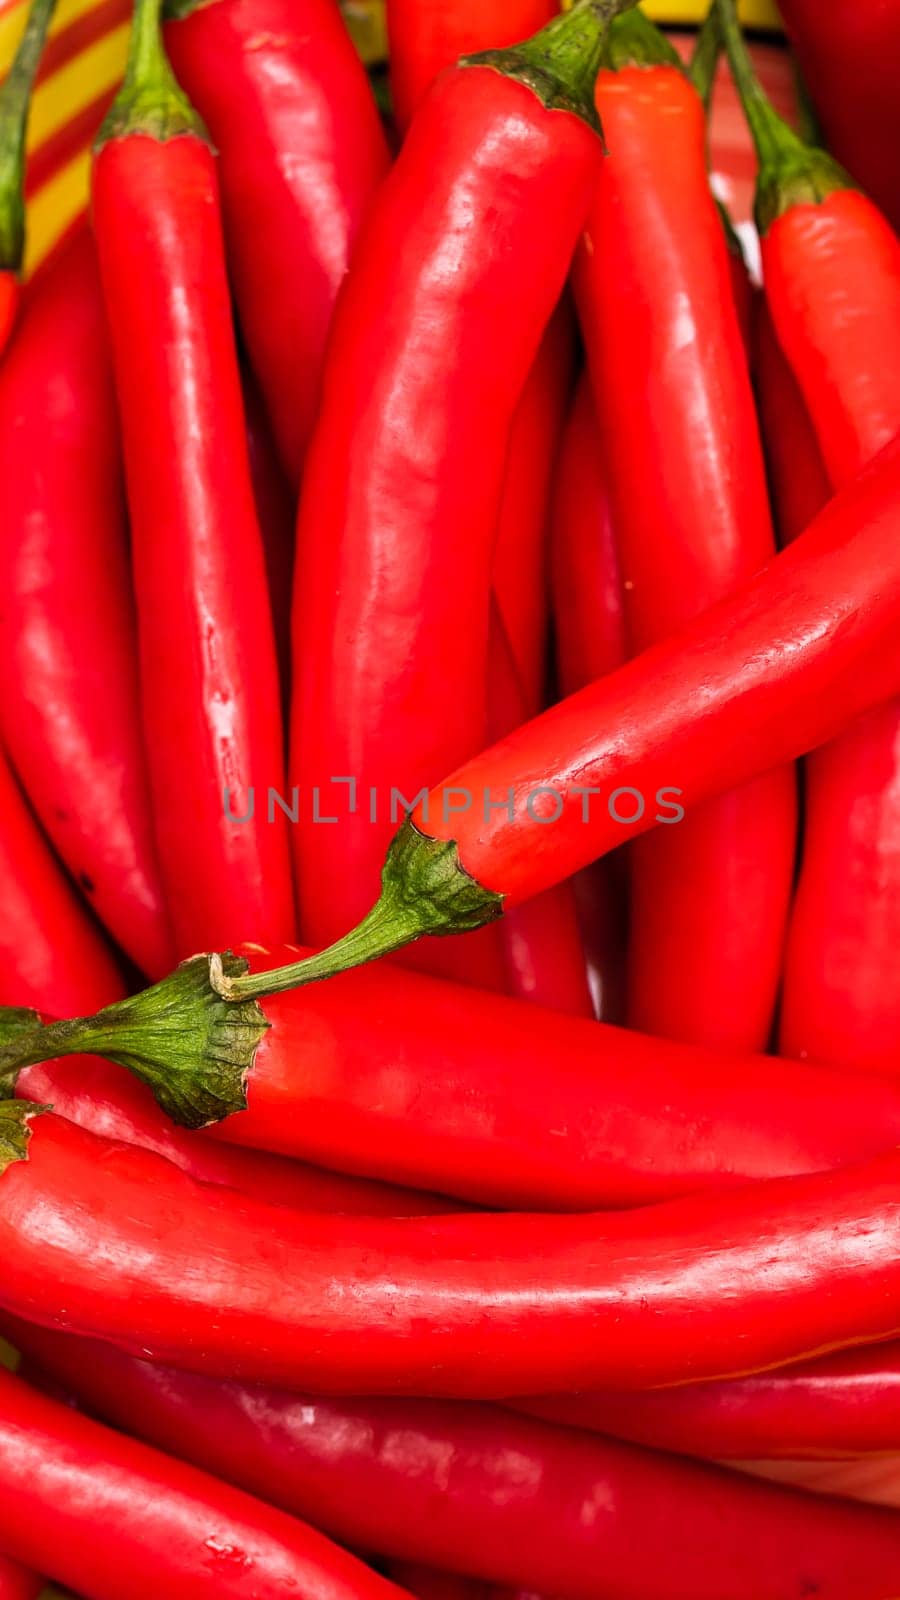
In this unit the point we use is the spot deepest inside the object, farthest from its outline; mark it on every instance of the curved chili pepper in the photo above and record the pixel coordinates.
(209, 676)
(471, 1307)
(776, 669)
(424, 39)
(15, 101)
(17, 1583)
(541, 941)
(276, 513)
(686, 479)
(848, 52)
(396, 1076)
(840, 1405)
(483, 1492)
(832, 279)
(519, 571)
(433, 340)
(797, 478)
(52, 954)
(120, 1521)
(301, 153)
(70, 706)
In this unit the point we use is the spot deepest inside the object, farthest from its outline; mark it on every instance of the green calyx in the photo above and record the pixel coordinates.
(179, 1037)
(634, 41)
(15, 99)
(560, 64)
(150, 101)
(16, 1117)
(424, 889)
(791, 173)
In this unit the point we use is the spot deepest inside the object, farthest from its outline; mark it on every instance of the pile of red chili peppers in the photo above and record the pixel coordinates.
(419, 519)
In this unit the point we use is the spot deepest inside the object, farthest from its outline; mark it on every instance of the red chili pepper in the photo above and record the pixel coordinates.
(481, 1491)
(519, 571)
(588, 604)
(797, 478)
(840, 1405)
(98, 1095)
(15, 100)
(120, 1521)
(470, 1307)
(209, 674)
(541, 941)
(52, 954)
(276, 513)
(392, 1075)
(16, 1583)
(832, 277)
(434, 337)
(301, 152)
(70, 707)
(848, 52)
(424, 39)
(686, 479)
(774, 670)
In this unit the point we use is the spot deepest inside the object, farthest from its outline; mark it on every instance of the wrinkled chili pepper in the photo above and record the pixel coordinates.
(71, 704)
(15, 101)
(684, 467)
(209, 676)
(485, 1493)
(120, 1521)
(471, 1307)
(301, 153)
(432, 343)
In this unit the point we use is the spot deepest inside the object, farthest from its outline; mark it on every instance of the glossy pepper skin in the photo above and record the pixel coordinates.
(71, 706)
(848, 52)
(541, 941)
(488, 1494)
(686, 479)
(100, 1096)
(391, 1075)
(424, 39)
(301, 153)
(165, 1526)
(844, 1405)
(774, 670)
(52, 954)
(798, 482)
(209, 677)
(434, 337)
(832, 280)
(476, 1306)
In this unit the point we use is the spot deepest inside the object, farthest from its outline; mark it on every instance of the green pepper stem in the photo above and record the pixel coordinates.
(705, 58)
(635, 41)
(424, 889)
(560, 63)
(790, 172)
(150, 101)
(15, 99)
